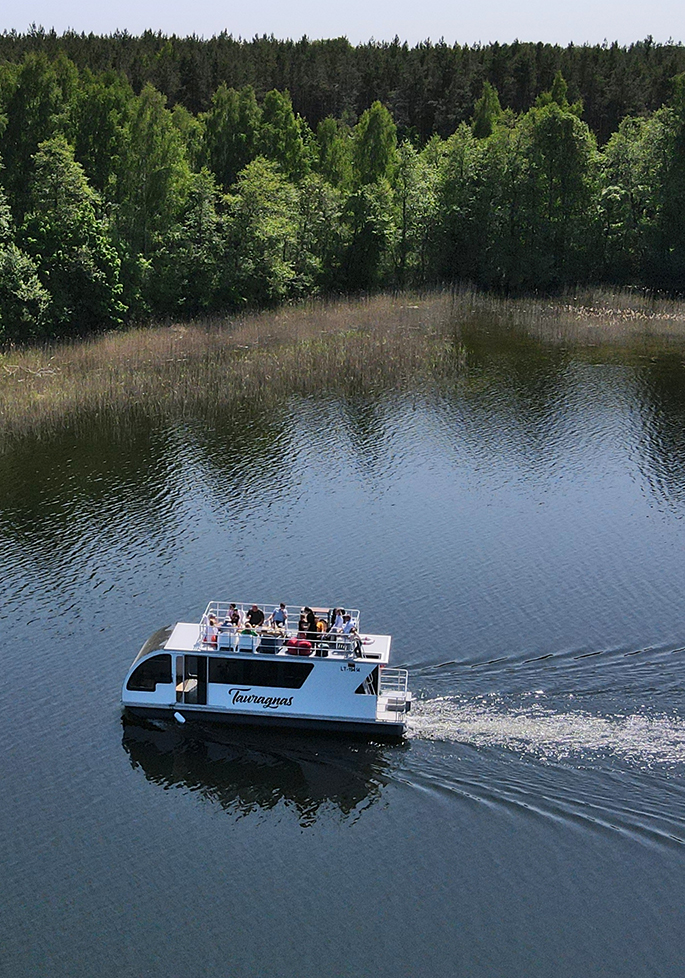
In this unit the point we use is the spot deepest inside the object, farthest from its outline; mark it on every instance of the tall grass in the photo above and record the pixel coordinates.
(343, 346)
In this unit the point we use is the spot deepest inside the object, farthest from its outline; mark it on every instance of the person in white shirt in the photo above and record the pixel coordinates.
(348, 627)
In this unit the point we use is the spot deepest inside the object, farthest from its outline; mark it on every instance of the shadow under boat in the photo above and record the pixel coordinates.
(247, 769)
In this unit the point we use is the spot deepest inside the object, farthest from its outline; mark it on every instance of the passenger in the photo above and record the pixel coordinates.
(279, 616)
(212, 630)
(255, 616)
(306, 626)
(233, 616)
(337, 617)
(311, 625)
(349, 627)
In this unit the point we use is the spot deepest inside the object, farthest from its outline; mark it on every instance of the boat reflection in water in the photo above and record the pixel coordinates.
(247, 770)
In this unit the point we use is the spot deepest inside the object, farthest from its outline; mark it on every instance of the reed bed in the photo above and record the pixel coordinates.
(344, 346)
(210, 365)
(589, 317)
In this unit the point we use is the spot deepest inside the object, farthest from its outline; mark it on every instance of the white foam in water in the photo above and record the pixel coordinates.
(547, 733)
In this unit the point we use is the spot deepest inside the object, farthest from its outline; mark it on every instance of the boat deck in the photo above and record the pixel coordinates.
(191, 637)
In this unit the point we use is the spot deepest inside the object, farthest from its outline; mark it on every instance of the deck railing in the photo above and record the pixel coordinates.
(220, 610)
(393, 682)
(229, 636)
(393, 697)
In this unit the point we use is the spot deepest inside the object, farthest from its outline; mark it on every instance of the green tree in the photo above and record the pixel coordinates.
(154, 175)
(464, 210)
(97, 123)
(187, 268)
(666, 161)
(319, 236)
(487, 112)
(628, 204)
(261, 232)
(192, 133)
(281, 135)
(558, 195)
(415, 186)
(333, 152)
(24, 301)
(70, 243)
(558, 95)
(369, 218)
(152, 179)
(34, 98)
(374, 146)
(231, 128)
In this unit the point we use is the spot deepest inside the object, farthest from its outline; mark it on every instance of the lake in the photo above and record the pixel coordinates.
(520, 531)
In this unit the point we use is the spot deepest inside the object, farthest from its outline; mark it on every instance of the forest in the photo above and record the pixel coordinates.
(149, 178)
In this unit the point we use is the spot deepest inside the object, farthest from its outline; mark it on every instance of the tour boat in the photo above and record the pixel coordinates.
(242, 663)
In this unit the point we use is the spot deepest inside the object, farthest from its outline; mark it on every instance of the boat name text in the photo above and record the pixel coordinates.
(244, 696)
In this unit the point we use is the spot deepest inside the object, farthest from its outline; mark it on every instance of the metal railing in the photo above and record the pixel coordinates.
(220, 634)
(394, 700)
(393, 682)
(220, 610)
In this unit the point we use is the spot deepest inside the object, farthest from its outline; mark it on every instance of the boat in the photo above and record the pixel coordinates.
(237, 665)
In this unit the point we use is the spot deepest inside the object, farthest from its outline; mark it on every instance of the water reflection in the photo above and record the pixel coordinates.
(248, 771)
(519, 396)
(662, 392)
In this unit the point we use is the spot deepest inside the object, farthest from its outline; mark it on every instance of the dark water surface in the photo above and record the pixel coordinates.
(520, 533)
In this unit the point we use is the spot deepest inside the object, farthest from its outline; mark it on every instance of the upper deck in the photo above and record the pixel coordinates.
(217, 632)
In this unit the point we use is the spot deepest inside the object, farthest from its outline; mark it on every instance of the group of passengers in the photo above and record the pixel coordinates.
(313, 628)
(308, 627)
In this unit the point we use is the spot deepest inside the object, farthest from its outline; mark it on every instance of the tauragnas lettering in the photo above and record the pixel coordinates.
(267, 702)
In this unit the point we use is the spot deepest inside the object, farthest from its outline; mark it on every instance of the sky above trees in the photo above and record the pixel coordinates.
(583, 21)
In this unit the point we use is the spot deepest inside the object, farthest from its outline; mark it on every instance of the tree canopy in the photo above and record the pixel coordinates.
(124, 195)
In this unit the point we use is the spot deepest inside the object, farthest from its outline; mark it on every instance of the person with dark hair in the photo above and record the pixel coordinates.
(279, 616)
(255, 616)
(306, 626)
(233, 616)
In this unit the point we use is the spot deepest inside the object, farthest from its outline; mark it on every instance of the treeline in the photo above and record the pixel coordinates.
(115, 206)
(429, 88)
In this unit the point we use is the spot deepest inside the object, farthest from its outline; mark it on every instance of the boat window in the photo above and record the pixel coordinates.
(370, 684)
(144, 679)
(250, 672)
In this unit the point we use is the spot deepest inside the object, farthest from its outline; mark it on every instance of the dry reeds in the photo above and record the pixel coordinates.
(343, 346)
(207, 366)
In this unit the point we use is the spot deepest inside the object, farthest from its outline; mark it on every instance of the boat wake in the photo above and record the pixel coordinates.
(537, 730)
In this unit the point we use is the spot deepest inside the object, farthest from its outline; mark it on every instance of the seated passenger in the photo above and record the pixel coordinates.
(233, 616)
(212, 629)
(255, 616)
(279, 616)
(349, 627)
